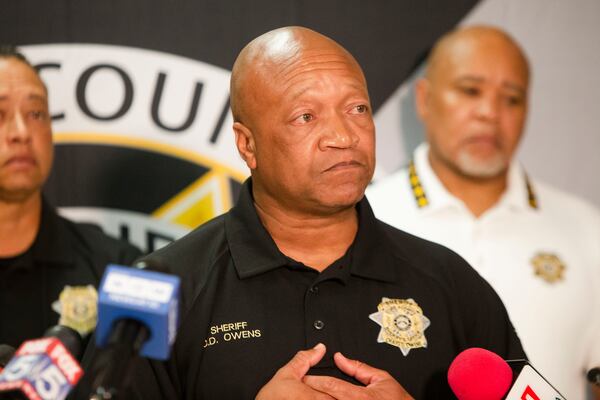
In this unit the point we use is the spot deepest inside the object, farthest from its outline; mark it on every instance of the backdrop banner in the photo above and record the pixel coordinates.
(139, 94)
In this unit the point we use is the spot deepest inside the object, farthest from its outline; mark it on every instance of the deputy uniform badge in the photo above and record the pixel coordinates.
(402, 324)
(548, 267)
(77, 306)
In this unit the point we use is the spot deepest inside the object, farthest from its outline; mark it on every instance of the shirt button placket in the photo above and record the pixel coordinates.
(314, 317)
(318, 324)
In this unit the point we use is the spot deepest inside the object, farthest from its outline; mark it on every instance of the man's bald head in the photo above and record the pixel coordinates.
(270, 55)
(455, 43)
(473, 102)
(303, 122)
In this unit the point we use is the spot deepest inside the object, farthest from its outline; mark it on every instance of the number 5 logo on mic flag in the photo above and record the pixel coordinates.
(41, 369)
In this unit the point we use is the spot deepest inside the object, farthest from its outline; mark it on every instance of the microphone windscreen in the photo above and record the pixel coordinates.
(6, 353)
(593, 376)
(477, 374)
(69, 337)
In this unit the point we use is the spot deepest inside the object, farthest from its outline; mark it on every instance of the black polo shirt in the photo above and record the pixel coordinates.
(247, 309)
(63, 253)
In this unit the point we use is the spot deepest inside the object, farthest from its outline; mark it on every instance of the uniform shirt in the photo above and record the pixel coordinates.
(63, 254)
(539, 248)
(247, 309)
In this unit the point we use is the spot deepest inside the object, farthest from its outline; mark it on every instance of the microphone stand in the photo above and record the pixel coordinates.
(125, 342)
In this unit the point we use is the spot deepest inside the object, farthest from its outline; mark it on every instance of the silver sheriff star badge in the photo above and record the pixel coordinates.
(402, 324)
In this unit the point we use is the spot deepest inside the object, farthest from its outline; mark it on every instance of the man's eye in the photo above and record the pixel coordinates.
(304, 118)
(514, 100)
(469, 90)
(37, 115)
(359, 109)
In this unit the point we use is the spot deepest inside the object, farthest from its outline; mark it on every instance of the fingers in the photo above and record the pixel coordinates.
(299, 365)
(379, 384)
(334, 387)
(287, 381)
(362, 372)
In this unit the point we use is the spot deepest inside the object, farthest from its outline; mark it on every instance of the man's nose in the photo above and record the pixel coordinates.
(16, 129)
(488, 107)
(338, 134)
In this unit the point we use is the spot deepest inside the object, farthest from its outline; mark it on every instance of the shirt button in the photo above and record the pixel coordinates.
(314, 289)
(318, 324)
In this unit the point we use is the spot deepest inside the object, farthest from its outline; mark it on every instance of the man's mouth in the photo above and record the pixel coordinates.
(343, 165)
(20, 161)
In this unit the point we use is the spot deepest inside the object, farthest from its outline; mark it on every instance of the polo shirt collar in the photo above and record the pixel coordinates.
(252, 248)
(519, 194)
(438, 197)
(254, 252)
(51, 245)
(372, 256)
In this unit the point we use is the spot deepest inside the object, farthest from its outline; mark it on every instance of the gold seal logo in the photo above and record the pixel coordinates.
(402, 324)
(77, 306)
(548, 267)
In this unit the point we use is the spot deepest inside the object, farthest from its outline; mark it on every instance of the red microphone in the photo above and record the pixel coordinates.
(479, 374)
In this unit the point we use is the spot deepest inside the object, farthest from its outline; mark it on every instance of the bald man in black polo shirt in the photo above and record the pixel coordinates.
(301, 263)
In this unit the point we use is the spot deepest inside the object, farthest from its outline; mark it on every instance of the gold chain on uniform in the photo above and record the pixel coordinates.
(417, 188)
(421, 197)
(531, 197)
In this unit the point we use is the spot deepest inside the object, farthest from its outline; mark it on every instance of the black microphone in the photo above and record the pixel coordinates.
(44, 368)
(137, 315)
(593, 376)
(6, 353)
(69, 337)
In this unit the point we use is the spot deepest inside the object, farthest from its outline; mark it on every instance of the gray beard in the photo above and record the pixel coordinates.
(474, 168)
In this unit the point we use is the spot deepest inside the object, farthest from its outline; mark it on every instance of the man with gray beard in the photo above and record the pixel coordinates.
(537, 246)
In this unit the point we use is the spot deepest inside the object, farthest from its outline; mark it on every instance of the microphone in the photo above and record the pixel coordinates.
(481, 374)
(45, 368)
(137, 315)
(6, 353)
(477, 374)
(593, 376)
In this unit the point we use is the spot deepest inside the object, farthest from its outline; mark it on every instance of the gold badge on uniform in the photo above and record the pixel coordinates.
(402, 324)
(548, 267)
(77, 306)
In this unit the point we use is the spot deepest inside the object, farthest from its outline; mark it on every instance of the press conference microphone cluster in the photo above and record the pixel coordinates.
(42, 369)
(137, 315)
(479, 374)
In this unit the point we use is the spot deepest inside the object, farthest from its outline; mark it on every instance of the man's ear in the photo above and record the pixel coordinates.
(244, 140)
(422, 97)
